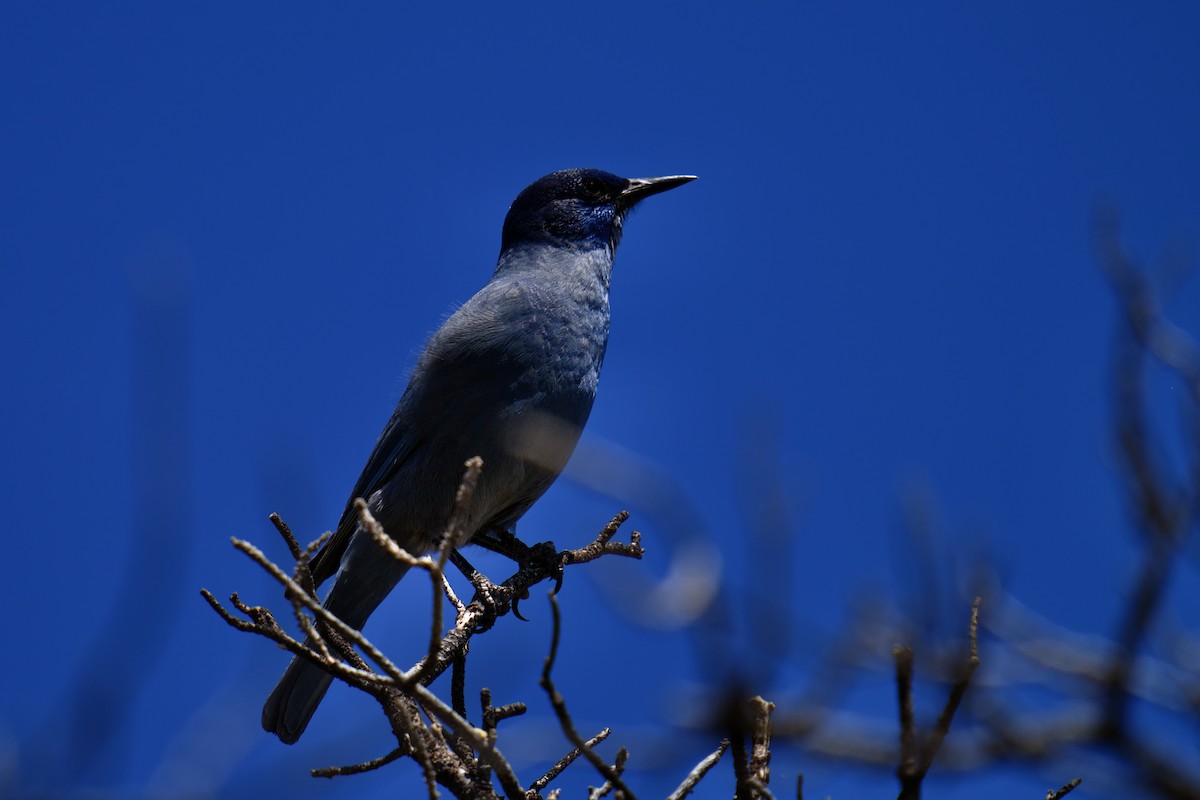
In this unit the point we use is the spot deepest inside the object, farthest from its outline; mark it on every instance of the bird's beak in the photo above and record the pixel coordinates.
(641, 188)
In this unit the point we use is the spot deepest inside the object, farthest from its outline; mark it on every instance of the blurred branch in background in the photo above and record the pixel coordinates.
(85, 737)
(1121, 710)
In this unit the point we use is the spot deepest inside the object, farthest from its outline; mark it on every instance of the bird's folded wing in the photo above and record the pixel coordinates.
(458, 380)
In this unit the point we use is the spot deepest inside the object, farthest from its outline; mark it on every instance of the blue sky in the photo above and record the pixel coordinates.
(261, 213)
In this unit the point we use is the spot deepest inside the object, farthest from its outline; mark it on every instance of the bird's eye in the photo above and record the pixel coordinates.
(594, 188)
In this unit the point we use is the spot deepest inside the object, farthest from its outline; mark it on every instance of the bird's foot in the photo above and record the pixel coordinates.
(542, 557)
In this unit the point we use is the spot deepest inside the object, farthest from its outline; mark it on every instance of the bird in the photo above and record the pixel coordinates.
(509, 377)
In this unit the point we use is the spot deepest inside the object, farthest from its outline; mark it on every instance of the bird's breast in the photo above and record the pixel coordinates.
(564, 337)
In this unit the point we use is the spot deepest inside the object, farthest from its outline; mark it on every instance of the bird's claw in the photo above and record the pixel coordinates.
(545, 555)
(516, 606)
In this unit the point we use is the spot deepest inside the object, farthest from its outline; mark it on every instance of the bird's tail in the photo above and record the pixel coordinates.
(295, 698)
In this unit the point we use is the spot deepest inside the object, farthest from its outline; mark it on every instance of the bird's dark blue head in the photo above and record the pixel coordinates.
(578, 208)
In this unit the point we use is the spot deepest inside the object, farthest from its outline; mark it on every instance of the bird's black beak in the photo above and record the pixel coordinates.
(641, 188)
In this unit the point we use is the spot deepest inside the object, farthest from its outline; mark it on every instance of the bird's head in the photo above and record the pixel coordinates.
(578, 208)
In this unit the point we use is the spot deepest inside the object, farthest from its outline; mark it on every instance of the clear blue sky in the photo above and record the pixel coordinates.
(887, 252)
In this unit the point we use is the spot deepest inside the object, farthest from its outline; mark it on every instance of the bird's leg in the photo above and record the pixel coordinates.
(504, 542)
(542, 556)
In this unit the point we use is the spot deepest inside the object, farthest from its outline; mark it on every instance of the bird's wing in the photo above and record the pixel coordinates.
(473, 349)
(397, 441)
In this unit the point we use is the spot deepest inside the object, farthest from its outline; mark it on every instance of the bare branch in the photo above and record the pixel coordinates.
(603, 544)
(699, 771)
(366, 766)
(564, 762)
(908, 771)
(289, 538)
(618, 768)
(759, 763)
(942, 727)
(564, 716)
(1064, 790)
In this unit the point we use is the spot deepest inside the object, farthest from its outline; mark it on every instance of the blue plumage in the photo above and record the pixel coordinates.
(510, 376)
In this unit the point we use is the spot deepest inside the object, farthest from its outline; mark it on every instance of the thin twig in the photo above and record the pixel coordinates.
(618, 768)
(563, 763)
(289, 538)
(453, 535)
(699, 771)
(907, 770)
(603, 544)
(366, 766)
(942, 727)
(564, 716)
(1064, 790)
(759, 763)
